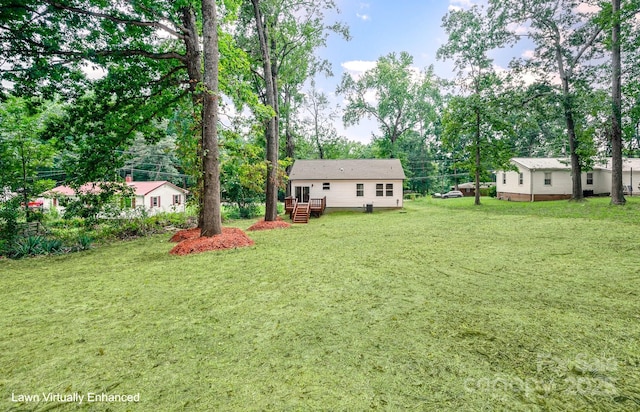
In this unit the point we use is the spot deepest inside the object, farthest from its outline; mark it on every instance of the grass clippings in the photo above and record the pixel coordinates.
(447, 307)
(230, 238)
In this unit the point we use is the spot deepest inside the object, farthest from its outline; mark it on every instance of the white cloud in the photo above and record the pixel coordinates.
(357, 67)
(364, 17)
(458, 5)
(587, 8)
(518, 29)
(528, 54)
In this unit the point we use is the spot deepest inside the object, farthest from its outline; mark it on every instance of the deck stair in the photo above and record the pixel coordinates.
(301, 213)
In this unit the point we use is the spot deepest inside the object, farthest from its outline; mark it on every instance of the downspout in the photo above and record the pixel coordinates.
(531, 171)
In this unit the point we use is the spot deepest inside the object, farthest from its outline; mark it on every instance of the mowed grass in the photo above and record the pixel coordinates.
(441, 306)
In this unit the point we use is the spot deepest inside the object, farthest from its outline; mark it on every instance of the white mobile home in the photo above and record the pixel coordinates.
(538, 179)
(349, 184)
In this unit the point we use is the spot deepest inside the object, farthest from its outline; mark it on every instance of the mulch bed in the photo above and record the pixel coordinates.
(191, 241)
(185, 234)
(264, 225)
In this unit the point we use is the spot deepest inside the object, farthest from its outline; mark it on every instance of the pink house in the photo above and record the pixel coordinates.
(154, 197)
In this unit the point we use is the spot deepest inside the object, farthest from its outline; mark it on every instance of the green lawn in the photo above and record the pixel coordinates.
(441, 306)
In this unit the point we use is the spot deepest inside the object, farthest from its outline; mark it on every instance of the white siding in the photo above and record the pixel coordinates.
(342, 193)
(513, 182)
(165, 193)
(560, 182)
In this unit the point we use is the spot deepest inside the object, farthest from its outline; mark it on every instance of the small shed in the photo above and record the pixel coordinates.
(349, 183)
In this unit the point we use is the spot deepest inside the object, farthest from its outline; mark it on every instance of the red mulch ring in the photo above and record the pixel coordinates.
(230, 238)
(264, 225)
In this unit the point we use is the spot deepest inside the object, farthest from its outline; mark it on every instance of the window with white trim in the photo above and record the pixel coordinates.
(590, 178)
(379, 189)
(504, 178)
(359, 189)
(389, 191)
(547, 178)
(155, 201)
(520, 178)
(326, 186)
(177, 199)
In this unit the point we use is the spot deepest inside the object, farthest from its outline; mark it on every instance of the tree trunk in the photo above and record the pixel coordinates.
(271, 206)
(194, 70)
(212, 221)
(617, 193)
(290, 148)
(477, 191)
(576, 168)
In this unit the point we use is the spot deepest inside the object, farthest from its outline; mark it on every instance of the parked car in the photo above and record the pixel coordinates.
(437, 195)
(453, 193)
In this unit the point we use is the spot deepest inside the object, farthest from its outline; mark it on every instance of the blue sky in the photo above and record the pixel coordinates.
(379, 27)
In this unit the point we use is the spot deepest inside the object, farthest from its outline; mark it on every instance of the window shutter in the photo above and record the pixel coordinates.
(151, 201)
(159, 197)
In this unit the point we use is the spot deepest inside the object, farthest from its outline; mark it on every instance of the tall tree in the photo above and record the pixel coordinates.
(566, 42)
(403, 98)
(617, 194)
(212, 219)
(149, 50)
(472, 35)
(282, 36)
(271, 98)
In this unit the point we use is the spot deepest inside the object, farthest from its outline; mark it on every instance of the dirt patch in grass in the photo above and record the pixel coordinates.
(230, 238)
(264, 225)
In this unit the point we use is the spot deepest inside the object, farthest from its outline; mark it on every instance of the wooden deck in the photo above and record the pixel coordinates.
(300, 212)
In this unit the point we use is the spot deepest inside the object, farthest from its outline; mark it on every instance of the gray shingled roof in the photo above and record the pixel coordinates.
(349, 169)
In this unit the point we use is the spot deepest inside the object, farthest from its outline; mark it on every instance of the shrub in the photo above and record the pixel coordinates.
(84, 242)
(28, 246)
(51, 246)
(9, 214)
(247, 211)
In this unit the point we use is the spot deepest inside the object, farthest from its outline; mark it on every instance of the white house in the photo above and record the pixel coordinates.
(550, 179)
(350, 183)
(154, 196)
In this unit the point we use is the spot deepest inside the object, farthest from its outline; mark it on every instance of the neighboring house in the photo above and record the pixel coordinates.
(469, 189)
(550, 179)
(154, 197)
(6, 194)
(348, 184)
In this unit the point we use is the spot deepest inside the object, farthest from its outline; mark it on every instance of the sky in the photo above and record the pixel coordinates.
(379, 27)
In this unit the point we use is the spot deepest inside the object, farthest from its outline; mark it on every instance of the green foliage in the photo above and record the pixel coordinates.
(84, 242)
(9, 215)
(404, 101)
(22, 149)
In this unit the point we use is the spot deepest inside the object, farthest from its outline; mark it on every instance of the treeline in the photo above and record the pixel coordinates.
(220, 96)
